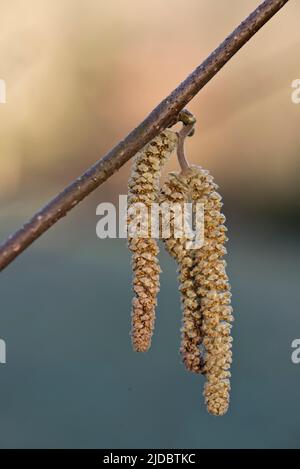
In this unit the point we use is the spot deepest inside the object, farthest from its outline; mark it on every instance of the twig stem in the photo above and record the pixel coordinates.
(161, 117)
(182, 134)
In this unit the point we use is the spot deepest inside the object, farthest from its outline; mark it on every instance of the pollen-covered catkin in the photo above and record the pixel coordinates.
(175, 192)
(214, 289)
(143, 188)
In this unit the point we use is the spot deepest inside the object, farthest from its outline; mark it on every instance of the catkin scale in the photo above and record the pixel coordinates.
(212, 285)
(176, 191)
(143, 188)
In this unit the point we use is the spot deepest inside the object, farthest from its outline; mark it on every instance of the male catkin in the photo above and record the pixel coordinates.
(214, 290)
(143, 188)
(175, 191)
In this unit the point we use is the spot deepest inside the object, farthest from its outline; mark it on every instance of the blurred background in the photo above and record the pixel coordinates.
(80, 75)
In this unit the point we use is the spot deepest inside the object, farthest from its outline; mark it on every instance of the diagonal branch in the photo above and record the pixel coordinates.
(164, 115)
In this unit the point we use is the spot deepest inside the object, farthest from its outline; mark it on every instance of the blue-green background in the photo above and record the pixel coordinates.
(72, 380)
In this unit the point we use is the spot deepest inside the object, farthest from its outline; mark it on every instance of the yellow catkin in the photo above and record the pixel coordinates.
(213, 287)
(176, 191)
(143, 188)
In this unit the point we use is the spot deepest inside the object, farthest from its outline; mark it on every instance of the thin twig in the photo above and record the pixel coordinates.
(187, 130)
(182, 134)
(164, 115)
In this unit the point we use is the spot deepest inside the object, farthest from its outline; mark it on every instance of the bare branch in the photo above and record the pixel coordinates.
(164, 115)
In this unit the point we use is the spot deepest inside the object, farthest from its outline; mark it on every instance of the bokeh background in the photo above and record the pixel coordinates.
(80, 75)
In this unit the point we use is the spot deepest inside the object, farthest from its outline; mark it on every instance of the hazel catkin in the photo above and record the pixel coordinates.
(213, 287)
(175, 191)
(143, 187)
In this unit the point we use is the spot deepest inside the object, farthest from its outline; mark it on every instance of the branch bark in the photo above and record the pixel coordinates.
(164, 115)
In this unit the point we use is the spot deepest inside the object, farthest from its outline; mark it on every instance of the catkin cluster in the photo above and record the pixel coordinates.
(203, 282)
(204, 287)
(143, 188)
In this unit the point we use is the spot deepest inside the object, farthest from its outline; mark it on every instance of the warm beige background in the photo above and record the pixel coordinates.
(81, 74)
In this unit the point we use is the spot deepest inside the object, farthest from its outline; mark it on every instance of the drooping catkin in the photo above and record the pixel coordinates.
(175, 192)
(214, 290)
(143, 188)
